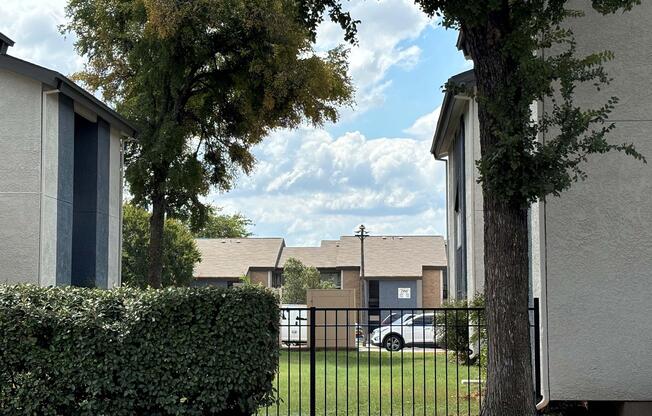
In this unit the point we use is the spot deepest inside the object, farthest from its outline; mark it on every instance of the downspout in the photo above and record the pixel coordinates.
(123, 139)
(543, 312)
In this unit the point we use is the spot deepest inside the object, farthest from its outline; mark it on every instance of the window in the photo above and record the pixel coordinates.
(277, 279)
(423, 320)
(332, 276)
(374, 294)
(444, 284)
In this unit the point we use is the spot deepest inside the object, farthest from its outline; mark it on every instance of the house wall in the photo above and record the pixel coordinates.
(351, 280)
(598, 246)
(20, 178)
(474, 208)
(388, 291)
(90, 247)
(431, 288)
(57, 189)
(37, 187)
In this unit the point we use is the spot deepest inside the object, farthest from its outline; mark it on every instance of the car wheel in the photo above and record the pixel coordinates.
(393, 342)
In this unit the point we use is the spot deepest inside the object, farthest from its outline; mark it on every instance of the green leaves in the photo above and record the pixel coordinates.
(205, 81)
(298, 278)
(72, 351)
(180, 253)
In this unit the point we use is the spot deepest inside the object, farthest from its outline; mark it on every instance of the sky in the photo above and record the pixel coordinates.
(372, 167)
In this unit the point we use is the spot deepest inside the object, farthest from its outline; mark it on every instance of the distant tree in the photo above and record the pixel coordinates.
(179, 256)
(298, 278)
(204, 81)
(224, 226)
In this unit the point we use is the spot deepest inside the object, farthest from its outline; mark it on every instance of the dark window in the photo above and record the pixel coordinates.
(277, 279)
(332, 276)
(444, 285)
(374, 294)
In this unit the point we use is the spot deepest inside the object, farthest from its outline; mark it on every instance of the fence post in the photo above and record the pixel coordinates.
(312, 359)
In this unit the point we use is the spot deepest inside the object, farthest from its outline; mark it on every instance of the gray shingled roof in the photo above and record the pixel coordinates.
(393, 256)
(324, 256)
(385, 256)
(232, 257)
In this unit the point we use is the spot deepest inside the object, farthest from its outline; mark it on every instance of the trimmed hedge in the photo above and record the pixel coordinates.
(175, 351)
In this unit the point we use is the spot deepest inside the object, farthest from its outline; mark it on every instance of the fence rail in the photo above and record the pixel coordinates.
(364, 361)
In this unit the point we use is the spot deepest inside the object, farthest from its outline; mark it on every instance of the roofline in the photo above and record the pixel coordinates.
(56, 80)
(5, 39)
(463, 78)
(239, 238)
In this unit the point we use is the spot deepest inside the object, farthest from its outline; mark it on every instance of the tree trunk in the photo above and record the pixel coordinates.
(510, 386)
(155, 250)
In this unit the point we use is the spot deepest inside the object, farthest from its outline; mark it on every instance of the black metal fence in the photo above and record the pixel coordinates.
(361, 361)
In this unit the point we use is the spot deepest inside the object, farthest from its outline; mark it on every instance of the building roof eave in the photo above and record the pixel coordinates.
(466, 78)
(67, 87)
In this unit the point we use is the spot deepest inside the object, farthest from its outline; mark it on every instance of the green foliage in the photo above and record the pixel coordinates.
(503, 38)
(175, 351)
(298, 278)
(204, 81)
(461, 327)
(224, 226)
(179, 256)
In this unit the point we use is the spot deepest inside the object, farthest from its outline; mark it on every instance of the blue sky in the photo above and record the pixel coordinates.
(372, 167)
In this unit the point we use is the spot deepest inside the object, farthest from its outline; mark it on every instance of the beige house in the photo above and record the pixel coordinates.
(400, 272)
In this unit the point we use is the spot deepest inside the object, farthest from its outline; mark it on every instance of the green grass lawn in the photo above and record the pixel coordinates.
(377, 383)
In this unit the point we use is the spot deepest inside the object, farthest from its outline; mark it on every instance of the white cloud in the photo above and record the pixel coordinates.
(33, 25)
(311, 186)
(424, 126)
(386, 26)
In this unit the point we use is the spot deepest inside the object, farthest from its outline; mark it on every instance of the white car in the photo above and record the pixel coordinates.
(415, 330)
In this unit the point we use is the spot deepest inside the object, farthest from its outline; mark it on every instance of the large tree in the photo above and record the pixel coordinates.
(204, 81)
(505, 39)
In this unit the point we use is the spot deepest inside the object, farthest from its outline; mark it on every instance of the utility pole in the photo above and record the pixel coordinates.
(362, 234)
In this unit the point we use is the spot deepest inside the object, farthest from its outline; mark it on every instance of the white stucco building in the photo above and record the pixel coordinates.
(591, 248)
(60, 179)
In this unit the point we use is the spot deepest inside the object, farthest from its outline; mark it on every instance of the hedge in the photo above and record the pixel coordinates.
(181, 351)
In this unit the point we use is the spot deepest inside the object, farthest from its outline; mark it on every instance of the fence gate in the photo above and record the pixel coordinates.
(361, 361)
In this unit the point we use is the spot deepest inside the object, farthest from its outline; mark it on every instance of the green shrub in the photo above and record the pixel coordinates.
(175, 351)
(464, 329)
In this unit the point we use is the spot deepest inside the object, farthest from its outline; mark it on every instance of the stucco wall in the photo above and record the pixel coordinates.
(351, 280)
(57, 190)
(20, 168)
(599, 237)
(431, 288)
